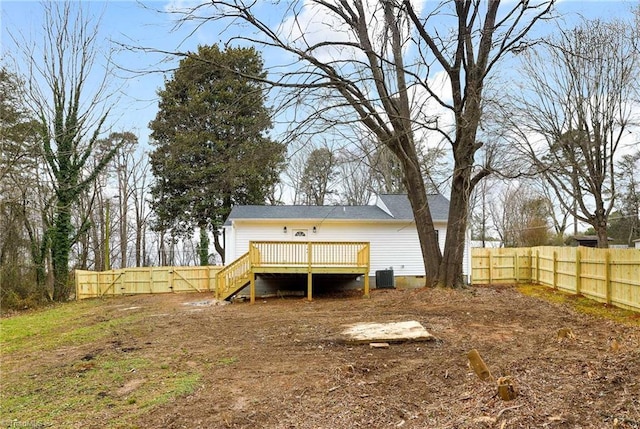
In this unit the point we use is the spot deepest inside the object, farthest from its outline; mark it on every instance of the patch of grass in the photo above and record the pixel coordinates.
(227, 361)
(43, 321)
(581, 304)
(43, 383)
(73, 323)
(120, 388)
(181, 384)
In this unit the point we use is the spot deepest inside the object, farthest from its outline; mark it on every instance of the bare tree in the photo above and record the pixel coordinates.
(355, 187)
(480, 204)
(559, 216)
(520, 216)
(575, 111)
(140, 183)
(71, 109)
(628, 176)
(23, 200)
(386, 170)
(377, 61)
(121, 171)
(318, 175)
(293, 174)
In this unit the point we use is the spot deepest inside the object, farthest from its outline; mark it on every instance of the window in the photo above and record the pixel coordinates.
(300, 234)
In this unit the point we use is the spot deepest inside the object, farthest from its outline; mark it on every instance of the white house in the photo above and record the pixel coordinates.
(388, 226)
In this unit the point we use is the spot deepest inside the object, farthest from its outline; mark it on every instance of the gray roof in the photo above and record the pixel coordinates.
(398, 206)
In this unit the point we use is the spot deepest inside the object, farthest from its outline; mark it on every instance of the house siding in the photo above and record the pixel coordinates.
(394, 244)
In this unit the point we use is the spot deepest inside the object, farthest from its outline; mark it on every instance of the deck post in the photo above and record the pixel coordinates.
(366, 285)
(309, 273)
(252, 287)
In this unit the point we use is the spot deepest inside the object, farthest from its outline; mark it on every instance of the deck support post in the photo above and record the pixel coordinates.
(252, 287)
(366, 285)
(309, 272)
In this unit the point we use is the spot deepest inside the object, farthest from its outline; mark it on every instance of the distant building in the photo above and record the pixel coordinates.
(388, 226)
(586, 240)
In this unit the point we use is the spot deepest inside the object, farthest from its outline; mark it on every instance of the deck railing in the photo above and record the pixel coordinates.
(313, 254)
(233, 276)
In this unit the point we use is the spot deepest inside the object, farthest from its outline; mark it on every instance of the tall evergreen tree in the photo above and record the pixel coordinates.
(212, 150)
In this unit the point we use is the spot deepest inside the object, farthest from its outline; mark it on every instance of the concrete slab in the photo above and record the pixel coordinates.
(393, 332)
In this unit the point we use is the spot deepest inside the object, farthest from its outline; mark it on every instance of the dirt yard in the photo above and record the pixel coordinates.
(279, 363)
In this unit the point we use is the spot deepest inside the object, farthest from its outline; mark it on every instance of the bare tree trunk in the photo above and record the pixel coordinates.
(600, 225)
(203, 246)
(218, 245)
(124, 242)
(454, 247)
(603, 238)
(431, 255)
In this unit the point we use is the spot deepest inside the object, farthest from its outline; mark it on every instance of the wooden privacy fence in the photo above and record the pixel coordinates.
(93, 284)
(605, 275)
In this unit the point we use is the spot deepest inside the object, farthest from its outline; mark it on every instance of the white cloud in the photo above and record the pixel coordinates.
(181, 6)
(313, 24)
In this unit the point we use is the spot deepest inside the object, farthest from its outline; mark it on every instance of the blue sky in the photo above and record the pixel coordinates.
(146, 24)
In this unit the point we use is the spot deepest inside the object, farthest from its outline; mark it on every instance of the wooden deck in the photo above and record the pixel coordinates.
(294, 257)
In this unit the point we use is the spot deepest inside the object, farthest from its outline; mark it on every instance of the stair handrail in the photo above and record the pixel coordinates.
(229, 275)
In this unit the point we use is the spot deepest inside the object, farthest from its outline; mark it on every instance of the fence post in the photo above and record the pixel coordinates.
(517, 266)
(75, 280)
(490, 267)
(607, 274)
(578, 272)
(555, 269)
(537, 276)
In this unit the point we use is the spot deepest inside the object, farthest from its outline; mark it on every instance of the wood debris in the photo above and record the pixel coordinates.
(565, 333)
(478, 366)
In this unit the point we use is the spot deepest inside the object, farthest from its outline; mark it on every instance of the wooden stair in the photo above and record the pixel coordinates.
(232, 278)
